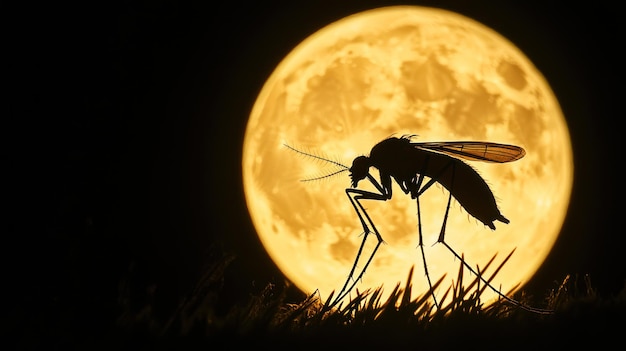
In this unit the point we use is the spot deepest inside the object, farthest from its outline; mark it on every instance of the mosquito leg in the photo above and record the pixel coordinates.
(360, 210)
(442, 232)
(367, 223)
(497, 291)
(421, 245)
(344, 289)
(432, 180)
(441, 239)
(416, 192)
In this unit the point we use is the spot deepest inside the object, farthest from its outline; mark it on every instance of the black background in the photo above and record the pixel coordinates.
(123, 136)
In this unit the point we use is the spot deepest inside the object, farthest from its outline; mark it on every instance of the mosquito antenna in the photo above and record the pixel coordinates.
(342, 167)
(336, 163)
(324, 176)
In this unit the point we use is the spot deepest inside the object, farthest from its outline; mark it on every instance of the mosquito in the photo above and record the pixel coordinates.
(415, 167)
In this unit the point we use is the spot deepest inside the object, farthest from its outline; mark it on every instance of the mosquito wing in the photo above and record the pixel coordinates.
(475, 150)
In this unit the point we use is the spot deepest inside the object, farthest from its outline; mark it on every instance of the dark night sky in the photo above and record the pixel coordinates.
(125, 126)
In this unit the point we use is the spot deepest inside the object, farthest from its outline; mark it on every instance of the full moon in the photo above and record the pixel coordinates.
(394, 71)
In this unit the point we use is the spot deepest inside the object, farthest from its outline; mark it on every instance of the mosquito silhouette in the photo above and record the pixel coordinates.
(409, 164)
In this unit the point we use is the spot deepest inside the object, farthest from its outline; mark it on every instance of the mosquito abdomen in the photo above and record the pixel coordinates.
(470, 190)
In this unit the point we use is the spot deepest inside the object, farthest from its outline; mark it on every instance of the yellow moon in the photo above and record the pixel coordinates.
(394, 71)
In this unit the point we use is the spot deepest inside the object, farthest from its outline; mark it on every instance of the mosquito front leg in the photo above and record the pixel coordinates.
(368, 227)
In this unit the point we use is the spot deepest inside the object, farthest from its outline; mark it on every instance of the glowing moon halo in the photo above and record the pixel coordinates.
(403, 70)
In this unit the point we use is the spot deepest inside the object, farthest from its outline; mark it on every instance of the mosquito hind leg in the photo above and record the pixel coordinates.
(442, 232)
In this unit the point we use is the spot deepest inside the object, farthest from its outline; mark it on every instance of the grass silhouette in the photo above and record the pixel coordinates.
(366, 321)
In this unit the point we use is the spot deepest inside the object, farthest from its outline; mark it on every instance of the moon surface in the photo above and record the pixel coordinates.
(389, 72)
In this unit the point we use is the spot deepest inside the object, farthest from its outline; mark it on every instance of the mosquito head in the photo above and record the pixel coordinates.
(359, 170)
